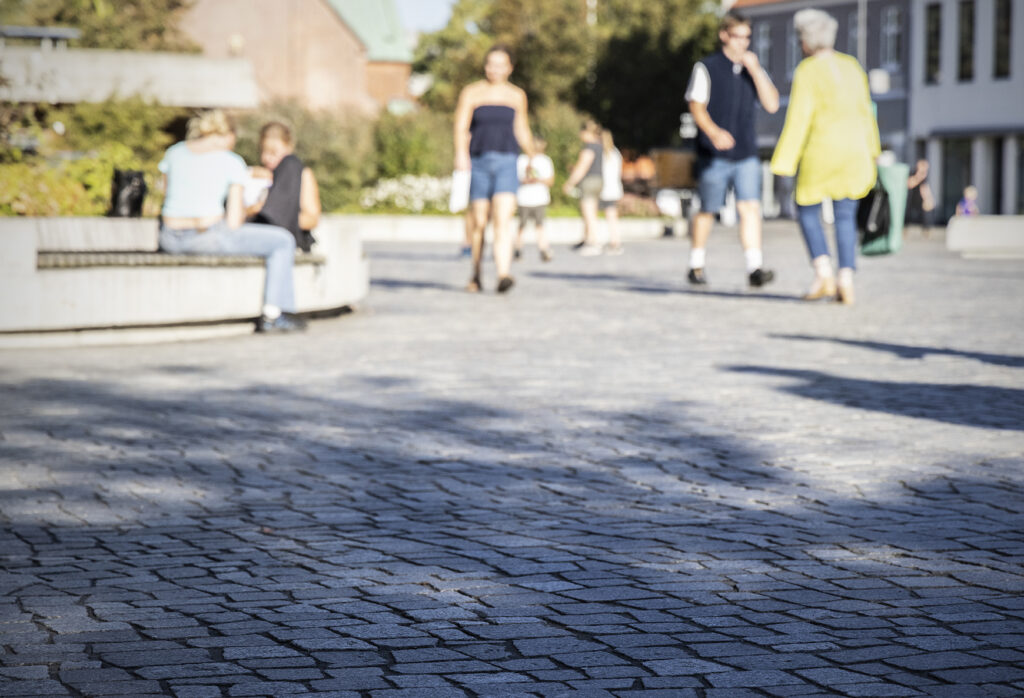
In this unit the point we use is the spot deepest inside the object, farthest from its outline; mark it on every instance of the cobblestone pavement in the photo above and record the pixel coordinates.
(603, 483)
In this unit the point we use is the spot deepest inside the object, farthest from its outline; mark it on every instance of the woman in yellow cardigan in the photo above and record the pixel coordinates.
(832, 135)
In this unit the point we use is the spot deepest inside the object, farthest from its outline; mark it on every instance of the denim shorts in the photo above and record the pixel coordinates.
(493, 173)
(719, 174)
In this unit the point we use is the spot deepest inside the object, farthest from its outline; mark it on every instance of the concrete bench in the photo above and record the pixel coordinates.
(79, 260)
(986, 236)
(99, 280)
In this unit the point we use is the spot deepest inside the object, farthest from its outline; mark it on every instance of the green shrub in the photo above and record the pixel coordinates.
(78, 187)
(414, 144)
(338, 148)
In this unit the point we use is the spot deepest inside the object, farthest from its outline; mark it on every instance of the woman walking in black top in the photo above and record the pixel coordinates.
(491, 126)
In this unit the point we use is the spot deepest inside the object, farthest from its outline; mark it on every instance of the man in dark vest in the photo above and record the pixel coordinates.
(723, 92)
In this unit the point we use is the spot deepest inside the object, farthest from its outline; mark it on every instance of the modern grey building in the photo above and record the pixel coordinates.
(947, 76)
(967, 105)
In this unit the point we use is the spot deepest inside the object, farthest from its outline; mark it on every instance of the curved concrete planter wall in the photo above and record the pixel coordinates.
(122, 303)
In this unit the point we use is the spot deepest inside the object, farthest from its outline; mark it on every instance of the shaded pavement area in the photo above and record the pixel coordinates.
(603, 483)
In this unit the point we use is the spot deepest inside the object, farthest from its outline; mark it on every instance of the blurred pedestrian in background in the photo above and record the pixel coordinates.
(491, 126)
(968, 204)
(724, 90)
(830, 141)
(536, 175)
(920, 200)
(293, 200)
(586, 181)
(611, 190)
(203, 213)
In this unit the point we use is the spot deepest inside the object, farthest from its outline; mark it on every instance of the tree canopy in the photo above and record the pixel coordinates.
(144, 25)
(627, 66)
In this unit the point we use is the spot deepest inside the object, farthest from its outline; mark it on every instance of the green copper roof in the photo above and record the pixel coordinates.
(378, 26)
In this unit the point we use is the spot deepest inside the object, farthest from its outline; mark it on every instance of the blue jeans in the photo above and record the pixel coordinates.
(274, 244)
(493, 173)
(717, 175)
(845, 211)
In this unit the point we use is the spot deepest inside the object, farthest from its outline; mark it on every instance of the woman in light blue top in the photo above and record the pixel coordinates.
(203, 213)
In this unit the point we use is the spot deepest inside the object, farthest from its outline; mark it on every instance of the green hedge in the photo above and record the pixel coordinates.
(77, 148)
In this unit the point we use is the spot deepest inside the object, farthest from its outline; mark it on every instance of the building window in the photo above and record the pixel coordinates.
(1004, 30)
(852, 30)
(794, 52)
(933, 43)
(892, 38)
(956, 173)
(966, 67)
(763, 45)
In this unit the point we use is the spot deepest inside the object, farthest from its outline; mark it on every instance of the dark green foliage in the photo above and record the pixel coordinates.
(338, 148)
(143, 25)
(417, 143)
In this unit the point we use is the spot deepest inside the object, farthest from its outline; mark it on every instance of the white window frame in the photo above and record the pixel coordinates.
(794, 54)
(852, 32)
(892, 39)
(763, 45)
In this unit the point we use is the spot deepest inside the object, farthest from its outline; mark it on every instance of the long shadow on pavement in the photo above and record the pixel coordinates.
(984, 406)
(910, 351)
(262, 539)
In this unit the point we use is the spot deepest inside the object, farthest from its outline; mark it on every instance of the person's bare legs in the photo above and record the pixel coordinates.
(588, 209)
(750, 238)
(700, 231)
(480, 210)
(504, 206)
(611, 216)
(542, 240)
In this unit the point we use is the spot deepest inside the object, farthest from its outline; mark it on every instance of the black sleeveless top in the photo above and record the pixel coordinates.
(282, 205)
(491, 130)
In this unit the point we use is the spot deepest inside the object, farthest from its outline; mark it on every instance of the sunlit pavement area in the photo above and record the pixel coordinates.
(602, 483)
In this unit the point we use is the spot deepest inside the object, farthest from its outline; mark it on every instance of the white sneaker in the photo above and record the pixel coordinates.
(613, 250)
(590, 250)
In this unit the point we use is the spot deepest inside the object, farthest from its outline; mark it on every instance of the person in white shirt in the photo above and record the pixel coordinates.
(611, 191)
(536, 175)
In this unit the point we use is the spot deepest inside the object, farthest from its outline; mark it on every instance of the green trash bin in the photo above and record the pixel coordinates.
(894, 179)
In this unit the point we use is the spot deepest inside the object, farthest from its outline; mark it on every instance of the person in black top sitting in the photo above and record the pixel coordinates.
(293, 200)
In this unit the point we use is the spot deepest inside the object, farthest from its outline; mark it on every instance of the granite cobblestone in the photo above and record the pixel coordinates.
(603, 483)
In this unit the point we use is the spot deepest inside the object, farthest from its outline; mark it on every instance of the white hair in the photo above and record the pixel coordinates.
(816, 29)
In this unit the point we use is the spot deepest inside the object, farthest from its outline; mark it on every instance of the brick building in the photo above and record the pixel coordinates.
(326, 54)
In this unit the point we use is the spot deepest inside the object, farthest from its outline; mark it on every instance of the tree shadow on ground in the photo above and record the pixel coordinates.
(909, 351)
(989, 407)
(345, 535)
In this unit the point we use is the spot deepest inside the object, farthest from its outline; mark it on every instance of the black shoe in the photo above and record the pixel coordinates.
(760, 277)
(516, 254)
(285, 322)
(697, 278)
(506, 283)
(579, 245)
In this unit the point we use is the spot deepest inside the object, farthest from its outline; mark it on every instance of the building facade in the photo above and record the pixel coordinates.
(325, 54)
(883, 49)
(947, 77)
(967, 112)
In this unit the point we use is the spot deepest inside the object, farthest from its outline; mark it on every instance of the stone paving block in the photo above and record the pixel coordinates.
(751, 679)
(449, 479)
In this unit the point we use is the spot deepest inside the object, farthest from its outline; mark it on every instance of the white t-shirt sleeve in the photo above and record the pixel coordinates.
(544, 167)
(699, 89)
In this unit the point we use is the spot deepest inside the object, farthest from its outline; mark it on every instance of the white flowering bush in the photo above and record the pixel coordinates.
(408, 194)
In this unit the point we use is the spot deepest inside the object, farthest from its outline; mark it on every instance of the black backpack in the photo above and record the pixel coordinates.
(873, 214)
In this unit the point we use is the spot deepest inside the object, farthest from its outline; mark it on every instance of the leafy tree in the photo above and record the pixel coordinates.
(145, 25)
(628, 68)
(454, 55)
